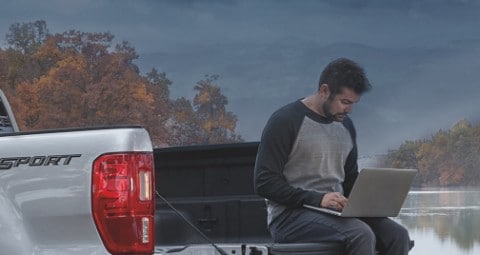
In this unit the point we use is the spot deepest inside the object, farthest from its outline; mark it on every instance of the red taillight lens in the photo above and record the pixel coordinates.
(123, 202)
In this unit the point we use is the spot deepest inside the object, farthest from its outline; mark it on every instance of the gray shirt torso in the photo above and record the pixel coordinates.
(312, 165)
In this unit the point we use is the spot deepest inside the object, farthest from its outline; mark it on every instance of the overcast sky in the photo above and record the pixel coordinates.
(422, 56)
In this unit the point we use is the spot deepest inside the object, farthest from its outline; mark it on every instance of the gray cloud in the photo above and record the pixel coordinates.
(422, 56)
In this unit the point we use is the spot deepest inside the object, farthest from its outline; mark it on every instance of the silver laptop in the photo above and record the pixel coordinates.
(377, 192)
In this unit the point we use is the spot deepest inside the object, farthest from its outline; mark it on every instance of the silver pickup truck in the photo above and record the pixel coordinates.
(75, 191)
(92, 191)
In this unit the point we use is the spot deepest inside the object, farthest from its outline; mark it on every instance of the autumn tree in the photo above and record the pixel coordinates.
(464, 144)
(85, 85)
(206, 120)
(183, 124)
(158, 87)
(3, 70)
(449, 158)
(437, 163)
(79, 79)
(216, 123)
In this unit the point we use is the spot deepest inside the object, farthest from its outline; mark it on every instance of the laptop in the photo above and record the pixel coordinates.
(377, 192)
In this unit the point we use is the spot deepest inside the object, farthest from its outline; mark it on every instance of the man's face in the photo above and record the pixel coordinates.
(338, 106)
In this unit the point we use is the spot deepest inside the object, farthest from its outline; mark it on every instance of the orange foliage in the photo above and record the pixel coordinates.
(447, 159)
(74, 79)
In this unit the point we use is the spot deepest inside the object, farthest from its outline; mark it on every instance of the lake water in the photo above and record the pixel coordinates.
(443, 221)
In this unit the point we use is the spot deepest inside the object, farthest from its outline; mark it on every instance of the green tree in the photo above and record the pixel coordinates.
(27, 37)
(406, 156)
(23, 40)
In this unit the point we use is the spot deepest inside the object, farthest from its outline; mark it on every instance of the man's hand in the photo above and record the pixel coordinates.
(334, 200)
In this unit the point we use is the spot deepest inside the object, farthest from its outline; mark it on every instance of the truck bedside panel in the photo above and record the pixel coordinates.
(45, 182)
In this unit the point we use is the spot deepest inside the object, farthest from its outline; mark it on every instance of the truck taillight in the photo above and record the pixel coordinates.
(123, 202)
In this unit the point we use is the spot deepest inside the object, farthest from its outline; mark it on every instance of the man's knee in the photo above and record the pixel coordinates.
(361, 233)
(365, 234)
(397, 234)
(403, 238)
(361, 241)
(396, 242)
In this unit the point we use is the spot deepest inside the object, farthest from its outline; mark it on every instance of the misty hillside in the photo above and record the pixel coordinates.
(415, 90)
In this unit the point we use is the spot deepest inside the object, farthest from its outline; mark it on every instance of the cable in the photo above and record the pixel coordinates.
(220, 250)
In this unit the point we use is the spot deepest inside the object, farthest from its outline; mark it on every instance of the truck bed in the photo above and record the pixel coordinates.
(212, 187)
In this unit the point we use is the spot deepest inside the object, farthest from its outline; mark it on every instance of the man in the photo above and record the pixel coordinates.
(308, 155)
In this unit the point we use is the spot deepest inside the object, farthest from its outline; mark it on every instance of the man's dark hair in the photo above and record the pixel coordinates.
(344, 73)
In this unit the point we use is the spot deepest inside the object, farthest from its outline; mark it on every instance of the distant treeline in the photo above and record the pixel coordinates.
(80, 79)
(448, 158)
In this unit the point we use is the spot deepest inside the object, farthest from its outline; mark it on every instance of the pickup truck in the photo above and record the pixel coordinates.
(107, 191)
(75, 191)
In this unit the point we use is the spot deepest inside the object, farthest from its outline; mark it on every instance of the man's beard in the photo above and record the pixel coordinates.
(329, 115)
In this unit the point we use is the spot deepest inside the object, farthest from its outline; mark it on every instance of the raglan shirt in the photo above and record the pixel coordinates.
(302, 156)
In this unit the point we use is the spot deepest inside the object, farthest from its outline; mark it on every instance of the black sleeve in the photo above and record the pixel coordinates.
(275, 146)
(351, 166)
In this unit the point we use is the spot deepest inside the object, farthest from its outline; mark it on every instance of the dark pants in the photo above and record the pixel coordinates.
(361, 236)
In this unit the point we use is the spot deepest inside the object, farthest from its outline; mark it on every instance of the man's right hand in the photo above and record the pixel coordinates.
(334, 200)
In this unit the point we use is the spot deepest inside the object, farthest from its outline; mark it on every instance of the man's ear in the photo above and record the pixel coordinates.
(324, 91)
